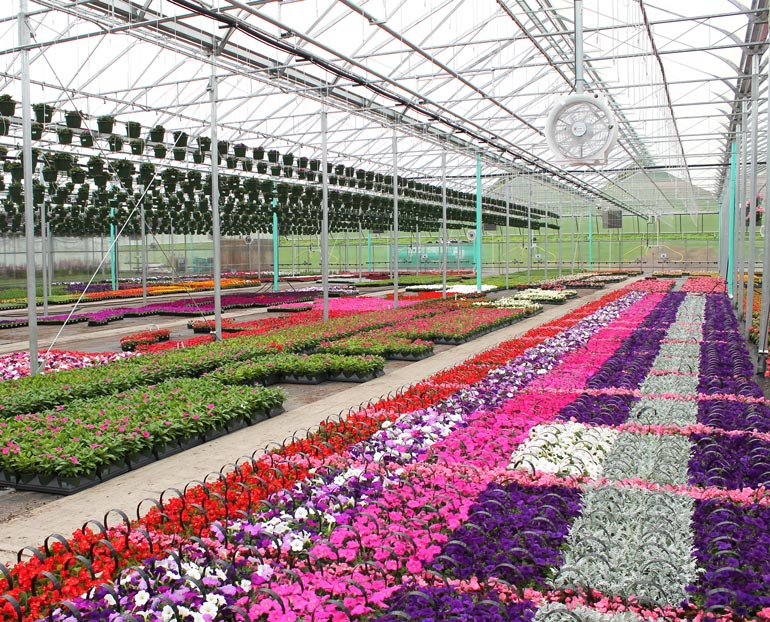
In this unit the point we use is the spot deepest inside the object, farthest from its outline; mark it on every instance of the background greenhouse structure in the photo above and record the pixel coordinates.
(458, 310)
(405, 87)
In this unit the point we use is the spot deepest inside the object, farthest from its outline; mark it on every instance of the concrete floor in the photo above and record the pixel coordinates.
(27, 518)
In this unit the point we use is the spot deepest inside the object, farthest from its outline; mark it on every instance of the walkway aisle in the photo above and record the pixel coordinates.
(67, 514)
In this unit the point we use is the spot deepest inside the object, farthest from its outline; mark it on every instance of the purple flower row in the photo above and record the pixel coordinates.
(446, 604)
(727, 461)
(514, 533)
(734, 415)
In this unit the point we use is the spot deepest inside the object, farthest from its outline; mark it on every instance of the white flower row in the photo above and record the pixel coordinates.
(564, 448)
(511, 302)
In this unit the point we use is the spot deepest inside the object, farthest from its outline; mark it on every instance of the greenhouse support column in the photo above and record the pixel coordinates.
(417, 235)
(730, 268)
(529, 233)
(143, 228)
(508, 236)
(444, 236)
(395, 220)
(752, 191)
(591, 239)
(44, 257)
(113, 252)
(477, 245)
(215, 232)
(545, 254)
(324, 215)
(359, 254)
(29, 213)
(764, 314)
(369, 249)
(560, 256)
(275, 247)
(740, 253)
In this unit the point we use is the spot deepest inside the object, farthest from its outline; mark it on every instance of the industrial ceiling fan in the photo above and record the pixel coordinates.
(580, 128)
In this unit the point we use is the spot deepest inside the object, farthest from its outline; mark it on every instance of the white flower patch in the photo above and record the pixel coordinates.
(453, 289)
(631, 542)
(670, 383)
(565, 448)
(658, 411)
(652, 458)
(511, 302)
(558, 612)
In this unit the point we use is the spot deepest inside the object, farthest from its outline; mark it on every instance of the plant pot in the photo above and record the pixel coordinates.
(262, 167)
(8, 108)
(36, 131)
(50, 174)
(222, 147)
(259, 153)
(109, 471)
(3, 153)
(180, 139)
(275, 171)
(288, 159)
(304, 378)
(239, 151)
(73, 119)
(198, 157)
(104, 126)
(272, 156)
(65, 136)
(43, 113)
(139, 459)
(159, 151)
(115, 143)
(157, 134)
(315, 165)
(137, 146)
(247, 164)
(231, 161)
(204, 143)
(179, 153)
(78, 177)
(86, 140)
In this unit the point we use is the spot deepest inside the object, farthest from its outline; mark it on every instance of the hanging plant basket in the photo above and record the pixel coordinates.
(3, 153)
(133, 129)
(247, 164)
(137, 146)
(37, 130)
(204, 143)
(275, 171)
(198, 157)
(65, 135)
(180, 139)
(95, 166)
(105, 123)
(231, 161)
(262, 167)
(86, 139)
(157, 134)
(222, 147)
(62, 161)
(77, 175)
(239, 149)
(288, 159)
(7, 106)
(5, 126)
(50, 174)
(160, 151)
(43, 112)
(101, 180)
(272, 156)
(259, 153)
(179, 153)
(115, 142)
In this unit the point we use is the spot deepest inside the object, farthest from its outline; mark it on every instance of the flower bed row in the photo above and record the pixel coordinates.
(244, 488)
(87, 441)
(358, 536)
(278, 471)
(16, 365)
(129, 343)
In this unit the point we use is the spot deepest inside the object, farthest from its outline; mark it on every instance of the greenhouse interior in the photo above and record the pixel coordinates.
(376, 310)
